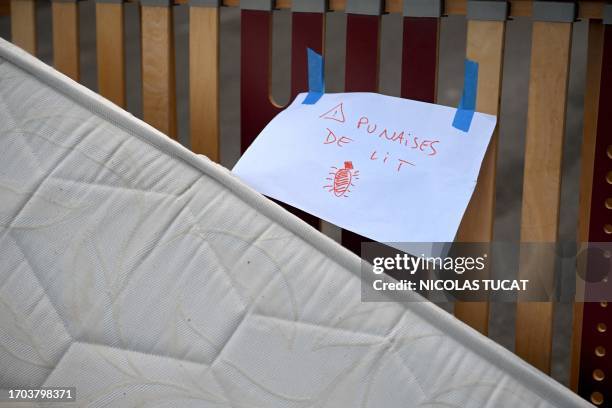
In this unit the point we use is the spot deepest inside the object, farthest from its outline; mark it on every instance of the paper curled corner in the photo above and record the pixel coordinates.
(316, 82)
(467, 105)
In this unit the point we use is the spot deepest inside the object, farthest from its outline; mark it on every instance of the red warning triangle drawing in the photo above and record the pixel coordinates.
(336, 113)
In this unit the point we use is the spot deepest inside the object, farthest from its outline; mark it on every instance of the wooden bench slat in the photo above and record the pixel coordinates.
(158, 86)
(204, 80)
(110, 49)
(65, 17)
(550, 53)
(485, 45)
(23, 24)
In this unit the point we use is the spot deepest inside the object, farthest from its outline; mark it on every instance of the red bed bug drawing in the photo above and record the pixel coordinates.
(342, 179)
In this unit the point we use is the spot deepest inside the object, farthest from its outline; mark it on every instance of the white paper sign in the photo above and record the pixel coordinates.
(390, 169)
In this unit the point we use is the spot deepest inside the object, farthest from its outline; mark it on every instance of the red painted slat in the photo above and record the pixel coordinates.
(361, 75)
(256, 108)
(362, 52)
(307, 32)
(594, 313)
(420, 58)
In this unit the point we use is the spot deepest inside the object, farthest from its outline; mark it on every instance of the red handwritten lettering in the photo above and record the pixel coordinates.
(344, 140)
(433, 149)
(362, 121)
(402, 162)
(416, 142)
(401, 137)
(398, 137)
(332, 138)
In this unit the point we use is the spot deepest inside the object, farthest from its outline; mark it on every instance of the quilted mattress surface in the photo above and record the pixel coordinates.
(145, 275)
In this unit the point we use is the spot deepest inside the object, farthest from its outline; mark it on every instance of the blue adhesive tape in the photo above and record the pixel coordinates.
(467, 105)
(316, 82)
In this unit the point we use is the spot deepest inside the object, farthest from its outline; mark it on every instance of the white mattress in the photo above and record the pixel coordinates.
(146, 275)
